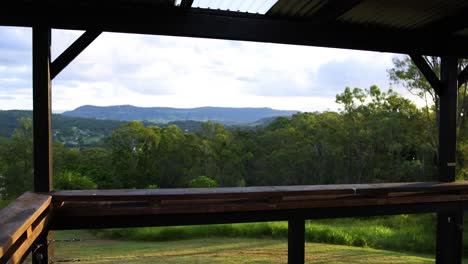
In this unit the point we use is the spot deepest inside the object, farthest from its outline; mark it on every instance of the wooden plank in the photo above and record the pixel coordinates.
(20, 253)
(17, 217)
(428, 73)
(109, 209)
(255, 192)
(60, 222)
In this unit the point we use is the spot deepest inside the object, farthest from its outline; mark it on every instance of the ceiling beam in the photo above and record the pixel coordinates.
(428, 73)
(72, 52)
(175, 21)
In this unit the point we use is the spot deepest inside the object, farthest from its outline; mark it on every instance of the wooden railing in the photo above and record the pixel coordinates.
(24, 220)
(21, 223)
(117, 208)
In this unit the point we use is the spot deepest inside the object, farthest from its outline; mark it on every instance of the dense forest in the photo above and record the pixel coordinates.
(377, 136)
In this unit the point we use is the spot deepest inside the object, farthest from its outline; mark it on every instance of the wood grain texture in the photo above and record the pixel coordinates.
(124, 203)
(266, 192)
(17, 218)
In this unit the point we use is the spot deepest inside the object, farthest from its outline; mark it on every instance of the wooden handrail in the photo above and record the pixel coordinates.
(126, 208)
(257, 192)
(21, 223)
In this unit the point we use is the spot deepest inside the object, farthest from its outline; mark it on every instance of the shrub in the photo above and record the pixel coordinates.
(70, 180)
(203, 182)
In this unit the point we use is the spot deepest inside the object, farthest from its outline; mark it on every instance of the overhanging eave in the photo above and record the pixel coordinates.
(175, 21)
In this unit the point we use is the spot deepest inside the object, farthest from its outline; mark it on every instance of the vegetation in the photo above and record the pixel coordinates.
(377, 136)
(400, 233)
(69, 180)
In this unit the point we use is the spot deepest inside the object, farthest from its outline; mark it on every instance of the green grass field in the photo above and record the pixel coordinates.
(398, 233)
(217, 250)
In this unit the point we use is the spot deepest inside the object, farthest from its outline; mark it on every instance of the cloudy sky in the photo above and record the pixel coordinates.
(187, 72)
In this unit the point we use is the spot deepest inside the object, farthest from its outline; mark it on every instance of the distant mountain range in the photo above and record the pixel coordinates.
(223, 115)
(88, 125)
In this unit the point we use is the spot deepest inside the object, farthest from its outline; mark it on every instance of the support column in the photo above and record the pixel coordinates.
(449, 225)
(296, 241)
(42, 126)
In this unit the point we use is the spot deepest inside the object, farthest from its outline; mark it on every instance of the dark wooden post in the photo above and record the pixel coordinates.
(449, 225)
(42, 126)
(296, 241)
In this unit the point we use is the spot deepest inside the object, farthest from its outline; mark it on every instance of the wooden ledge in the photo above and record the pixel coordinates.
(270, 192)
(21, 223)
(170, 207)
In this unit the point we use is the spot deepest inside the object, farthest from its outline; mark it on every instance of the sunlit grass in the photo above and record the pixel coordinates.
(221, 250)
(401, 233)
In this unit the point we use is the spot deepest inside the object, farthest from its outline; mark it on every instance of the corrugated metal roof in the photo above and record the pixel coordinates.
(296, 8)
(246, 6)
(412, 14)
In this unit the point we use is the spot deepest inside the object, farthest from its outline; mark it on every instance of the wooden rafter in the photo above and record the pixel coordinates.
(72, 52)
(463, 76)
(428, 73)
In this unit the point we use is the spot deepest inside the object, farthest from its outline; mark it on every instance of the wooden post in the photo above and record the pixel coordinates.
(42, 126)
(449, 225)
(296, 241)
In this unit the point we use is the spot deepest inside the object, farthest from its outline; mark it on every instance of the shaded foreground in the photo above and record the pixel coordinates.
(218, 250)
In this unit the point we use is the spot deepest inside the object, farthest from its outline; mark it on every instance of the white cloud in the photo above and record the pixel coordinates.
(184, 72)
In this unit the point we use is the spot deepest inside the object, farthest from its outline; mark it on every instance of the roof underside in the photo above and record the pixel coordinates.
(428, 27)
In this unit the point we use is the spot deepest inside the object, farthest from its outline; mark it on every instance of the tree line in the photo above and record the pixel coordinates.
(377, 136)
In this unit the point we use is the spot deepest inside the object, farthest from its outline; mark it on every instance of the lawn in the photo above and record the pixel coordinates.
(217, 250)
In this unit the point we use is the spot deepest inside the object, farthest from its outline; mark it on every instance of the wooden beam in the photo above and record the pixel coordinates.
(463, 76)
(216, 24)
(42, 124)
(296, 241)
(428, 73)
(449, 225)
(448, 118)
(73, 51)
(273, 192)
(42, 111)
(75, 220)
